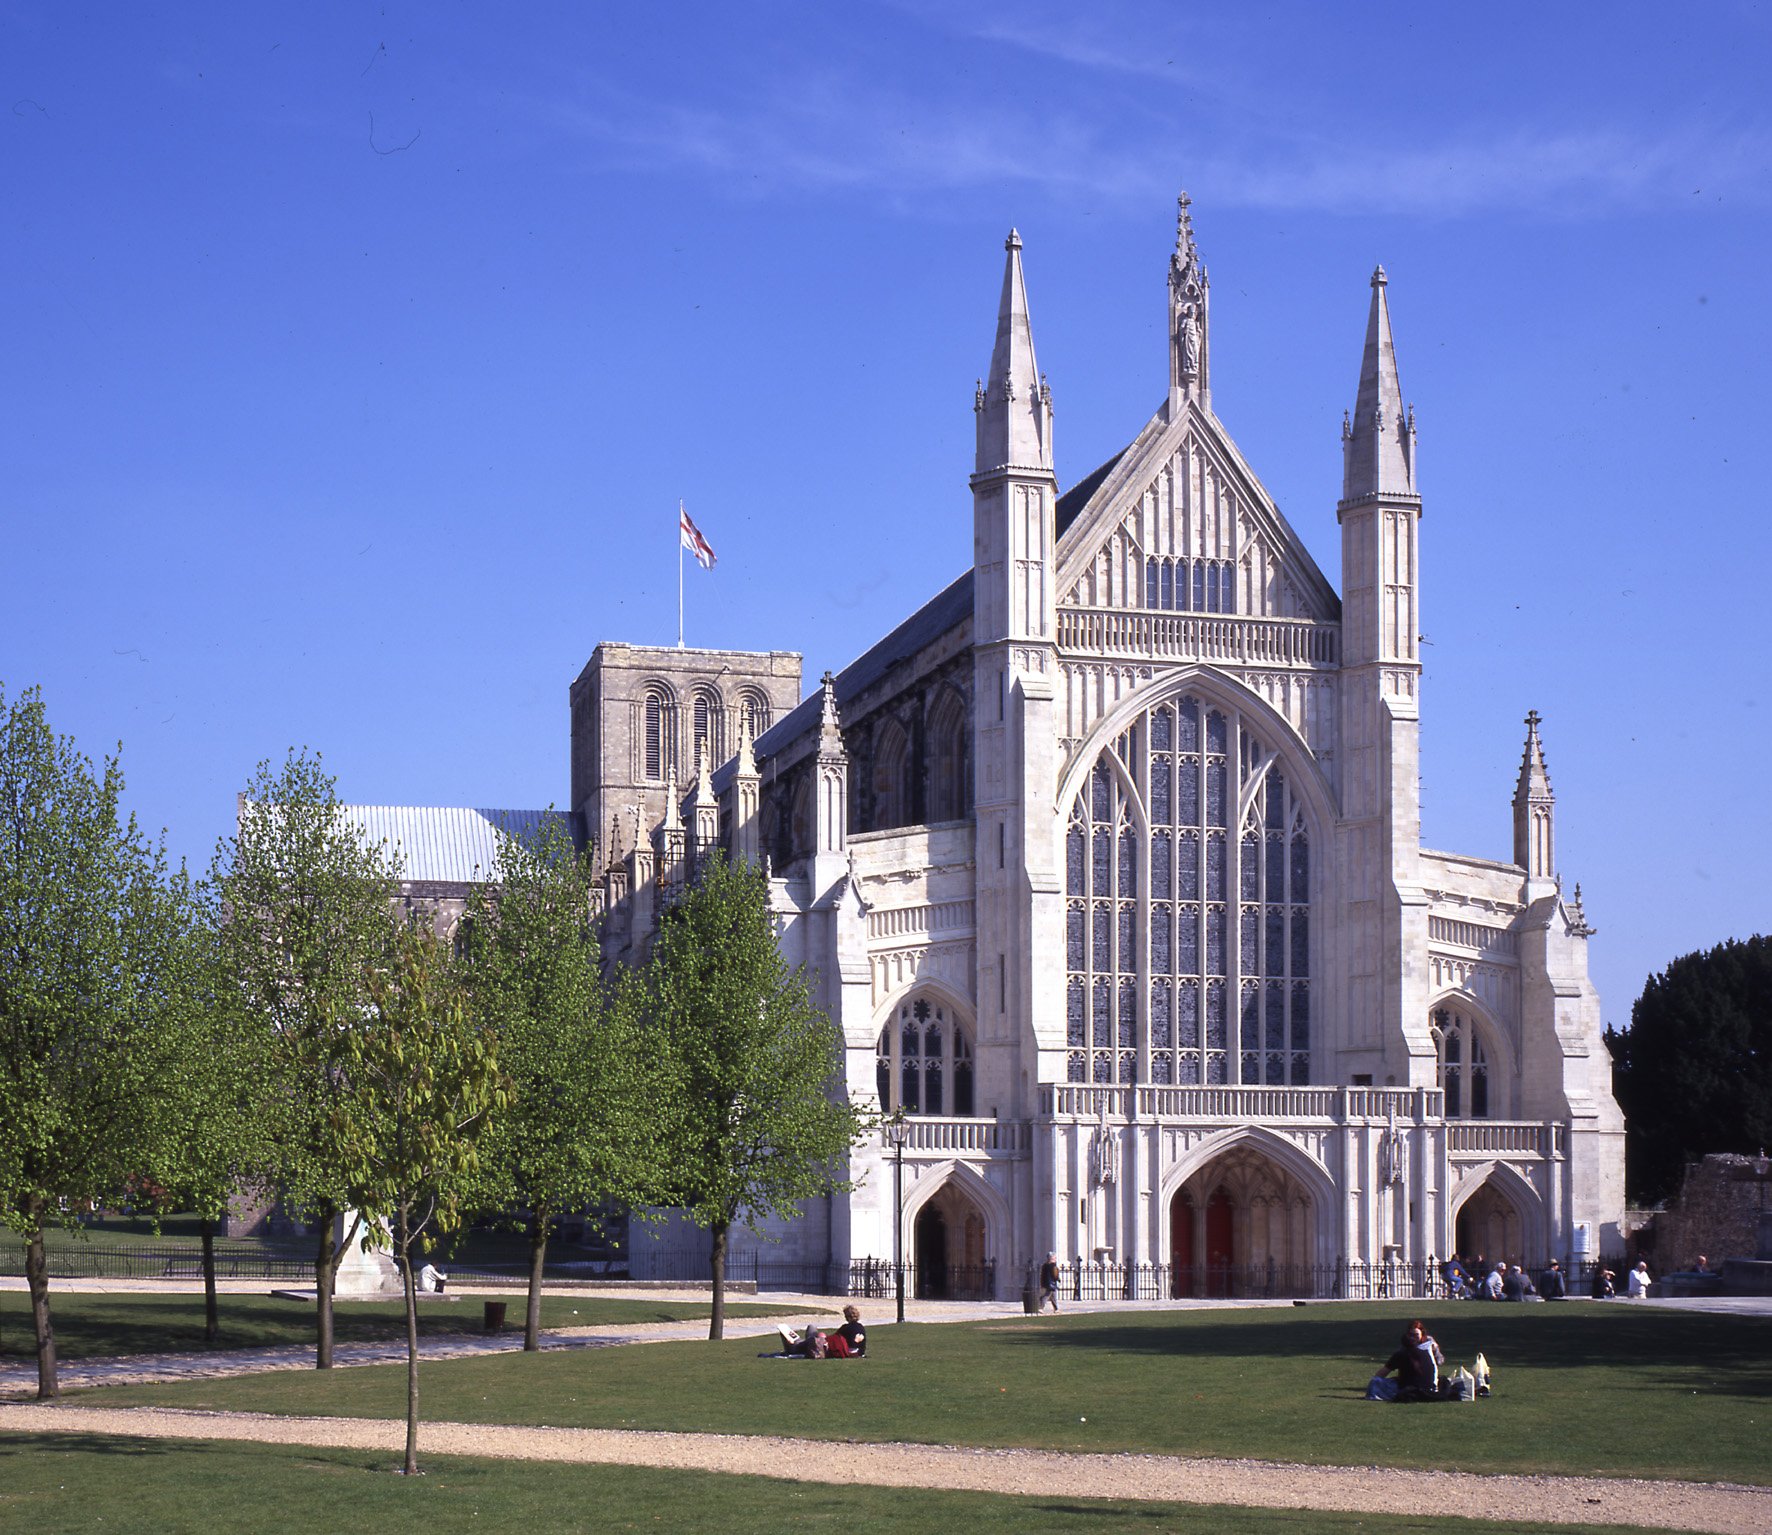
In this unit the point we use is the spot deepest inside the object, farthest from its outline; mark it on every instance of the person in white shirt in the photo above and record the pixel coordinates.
(1640, 1281)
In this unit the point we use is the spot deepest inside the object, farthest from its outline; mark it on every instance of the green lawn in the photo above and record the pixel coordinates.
(91, 1326)
(68, 1484)
(1616, 1390)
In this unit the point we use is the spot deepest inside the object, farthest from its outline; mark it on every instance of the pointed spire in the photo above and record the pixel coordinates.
(830, 731)
(1379, 448)
(1534, 776)
(1188, 290)
(1013, 403)
(704, 781)
(1534, 816)
(747, 757)
(673, 812)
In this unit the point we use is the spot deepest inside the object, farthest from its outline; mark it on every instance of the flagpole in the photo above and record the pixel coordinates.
(679, 575)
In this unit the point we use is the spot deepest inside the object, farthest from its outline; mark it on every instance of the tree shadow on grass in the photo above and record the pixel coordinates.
(15, 1446)
(1732, 1355)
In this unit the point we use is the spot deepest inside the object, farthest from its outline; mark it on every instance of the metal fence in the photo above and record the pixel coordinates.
(87, 1260)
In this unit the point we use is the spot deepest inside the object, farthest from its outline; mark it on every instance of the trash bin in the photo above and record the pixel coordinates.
(495, 1316)
(1030, 1300)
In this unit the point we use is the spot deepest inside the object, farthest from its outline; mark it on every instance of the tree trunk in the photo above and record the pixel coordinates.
(538, 1257)
(211, 1313)
(37, 1277)
(717, 1314)
(410, 1468)
(325, 1267)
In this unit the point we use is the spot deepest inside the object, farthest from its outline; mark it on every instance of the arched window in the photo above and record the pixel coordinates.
(1464, 1064)
(923, 1061)
(949, 762)
(661, 731)
(892, 776)
(1192, 797)
(710, 718)
(756, 711)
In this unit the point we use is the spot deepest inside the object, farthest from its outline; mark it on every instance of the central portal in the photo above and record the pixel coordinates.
(1241, 1226)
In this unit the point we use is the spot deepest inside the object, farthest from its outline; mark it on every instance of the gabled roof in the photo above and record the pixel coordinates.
(440, 844)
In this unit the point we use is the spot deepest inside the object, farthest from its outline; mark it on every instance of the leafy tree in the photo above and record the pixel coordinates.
(576, 1132)
(1693, 1073)
(210, 1139)
(306, 904)
(87, 926)
(756, 1123)
(422, 1081)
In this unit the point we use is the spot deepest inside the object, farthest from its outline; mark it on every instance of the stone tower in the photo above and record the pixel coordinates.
(1383, 904)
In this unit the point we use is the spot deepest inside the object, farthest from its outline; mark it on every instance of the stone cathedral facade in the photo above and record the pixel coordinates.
(1107, 862)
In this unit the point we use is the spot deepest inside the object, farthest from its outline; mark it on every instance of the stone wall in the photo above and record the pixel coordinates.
(1716, 1213)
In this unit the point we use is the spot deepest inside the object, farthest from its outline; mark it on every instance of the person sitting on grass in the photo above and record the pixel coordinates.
(1417, 1362)
(1551, 1284)
(850, 1341)
(1601, 1288)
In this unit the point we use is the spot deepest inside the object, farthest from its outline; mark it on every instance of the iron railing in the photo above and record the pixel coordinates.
(88, 1260)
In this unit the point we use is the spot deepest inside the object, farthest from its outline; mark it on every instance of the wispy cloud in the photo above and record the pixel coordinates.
(836, 132)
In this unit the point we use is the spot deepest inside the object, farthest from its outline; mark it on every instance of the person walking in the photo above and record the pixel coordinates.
(1049, 1282)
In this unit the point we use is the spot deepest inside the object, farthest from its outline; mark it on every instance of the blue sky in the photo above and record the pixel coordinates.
(357, 358)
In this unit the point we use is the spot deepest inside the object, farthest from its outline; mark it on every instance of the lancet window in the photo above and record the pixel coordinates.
(756, 712)
(1188, 920)
(1464, 1065)
(1190, 585)
(709, 717)
(661, 731)
(923, 1061)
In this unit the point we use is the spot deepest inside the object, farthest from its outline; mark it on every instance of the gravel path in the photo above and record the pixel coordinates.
(1723, 1509)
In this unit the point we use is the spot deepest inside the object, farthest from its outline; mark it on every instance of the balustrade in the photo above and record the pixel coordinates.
(1199, 637)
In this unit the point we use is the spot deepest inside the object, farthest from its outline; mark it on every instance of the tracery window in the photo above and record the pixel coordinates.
(1188, 937)
(923, 1061)
(661, 731)
(1464, 1064)
(1190, 585)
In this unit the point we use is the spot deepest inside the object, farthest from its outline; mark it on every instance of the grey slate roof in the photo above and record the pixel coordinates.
(940, 614)
(441, 844)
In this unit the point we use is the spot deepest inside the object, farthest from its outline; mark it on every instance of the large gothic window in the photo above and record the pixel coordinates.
(923, 1061)
(1188, 942)
(1464, 1064)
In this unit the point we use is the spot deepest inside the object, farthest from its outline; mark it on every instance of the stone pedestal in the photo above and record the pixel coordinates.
(363, 1273)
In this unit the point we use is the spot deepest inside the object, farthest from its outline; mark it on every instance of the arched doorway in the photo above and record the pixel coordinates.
(1490, 1228)
(949, 1248)
(1243, 1225)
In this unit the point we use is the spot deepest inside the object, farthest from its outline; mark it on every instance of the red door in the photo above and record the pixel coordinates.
(1218, 1244)
(1181, 1247)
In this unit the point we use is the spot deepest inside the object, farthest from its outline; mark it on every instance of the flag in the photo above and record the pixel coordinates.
(690, 537)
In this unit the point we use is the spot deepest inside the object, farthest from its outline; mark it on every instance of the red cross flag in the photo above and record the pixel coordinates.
(690, 537)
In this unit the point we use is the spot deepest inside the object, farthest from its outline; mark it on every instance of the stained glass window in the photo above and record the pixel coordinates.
(1231, 921)
(1464, 1064)
(928, 1053)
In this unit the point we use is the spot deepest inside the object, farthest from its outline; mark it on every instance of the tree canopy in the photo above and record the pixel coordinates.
(1693, 1072)
(757, 1119)
(579, 1130)
(89, 932)
(307, 907)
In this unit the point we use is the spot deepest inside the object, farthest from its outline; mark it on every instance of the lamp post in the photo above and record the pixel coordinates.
(897, 1131)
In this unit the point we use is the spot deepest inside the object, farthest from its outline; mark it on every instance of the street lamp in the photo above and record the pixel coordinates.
(896, 1131)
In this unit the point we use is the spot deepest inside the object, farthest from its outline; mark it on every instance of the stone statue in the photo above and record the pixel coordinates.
(1189, 342)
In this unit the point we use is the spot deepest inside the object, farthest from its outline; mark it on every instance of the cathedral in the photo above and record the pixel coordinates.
(1106, 863)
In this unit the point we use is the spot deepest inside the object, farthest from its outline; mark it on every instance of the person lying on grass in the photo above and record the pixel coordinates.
(850, 1341)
